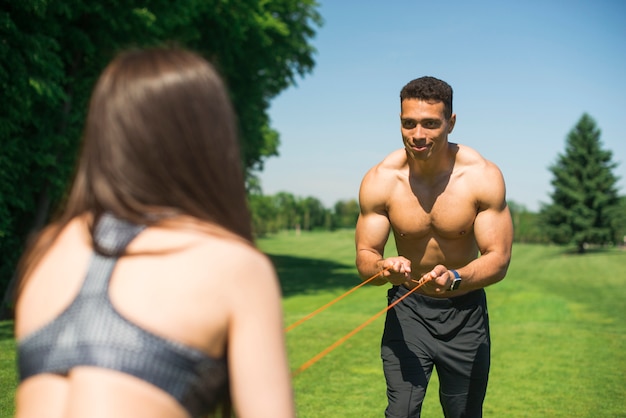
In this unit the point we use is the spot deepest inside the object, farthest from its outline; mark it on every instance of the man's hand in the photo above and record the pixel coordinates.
(396, 270)
(440, 280)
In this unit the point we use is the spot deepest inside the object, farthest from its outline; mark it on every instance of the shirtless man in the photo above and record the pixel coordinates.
(447, 209)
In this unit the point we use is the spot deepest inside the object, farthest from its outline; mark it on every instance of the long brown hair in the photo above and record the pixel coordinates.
(160, 139)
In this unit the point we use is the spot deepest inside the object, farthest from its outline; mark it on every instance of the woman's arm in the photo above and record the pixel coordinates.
(260, 377)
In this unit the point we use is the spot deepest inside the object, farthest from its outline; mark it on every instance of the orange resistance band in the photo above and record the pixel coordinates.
(332, 302)
(330, 348)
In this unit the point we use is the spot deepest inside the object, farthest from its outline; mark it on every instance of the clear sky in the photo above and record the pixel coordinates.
(523, 73)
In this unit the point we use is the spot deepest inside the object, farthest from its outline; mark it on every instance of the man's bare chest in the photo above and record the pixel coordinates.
(449, 214)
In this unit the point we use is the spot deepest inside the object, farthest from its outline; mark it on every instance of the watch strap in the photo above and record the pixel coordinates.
(456, 282)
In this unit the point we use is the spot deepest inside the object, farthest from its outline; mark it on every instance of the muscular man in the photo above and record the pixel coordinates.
(446, 207)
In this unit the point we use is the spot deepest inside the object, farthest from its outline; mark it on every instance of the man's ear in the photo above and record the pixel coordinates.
(451, 122)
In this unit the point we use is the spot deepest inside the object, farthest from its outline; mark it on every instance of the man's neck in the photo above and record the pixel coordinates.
(434, 167)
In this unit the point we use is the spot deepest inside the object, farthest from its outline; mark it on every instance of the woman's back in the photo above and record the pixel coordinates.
(177, 286)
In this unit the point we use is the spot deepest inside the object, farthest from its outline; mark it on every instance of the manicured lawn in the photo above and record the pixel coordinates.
(7, 369)
(558, 334)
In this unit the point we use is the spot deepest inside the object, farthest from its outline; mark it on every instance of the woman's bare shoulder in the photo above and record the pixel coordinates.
(209, 243)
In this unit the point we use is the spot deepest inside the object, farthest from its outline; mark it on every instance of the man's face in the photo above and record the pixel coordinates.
(424, 127)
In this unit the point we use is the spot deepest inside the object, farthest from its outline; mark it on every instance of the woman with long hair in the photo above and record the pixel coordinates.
(146, 296)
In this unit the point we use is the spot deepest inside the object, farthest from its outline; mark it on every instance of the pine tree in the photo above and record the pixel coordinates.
(584, 199)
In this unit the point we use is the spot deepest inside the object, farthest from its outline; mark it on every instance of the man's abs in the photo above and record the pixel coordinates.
(426, 253)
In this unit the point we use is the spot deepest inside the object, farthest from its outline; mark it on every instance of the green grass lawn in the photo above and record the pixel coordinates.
(8, 380)
(558, 335)
(557, 321)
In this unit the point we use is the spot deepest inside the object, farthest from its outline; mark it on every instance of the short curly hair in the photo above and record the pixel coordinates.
(429, 88)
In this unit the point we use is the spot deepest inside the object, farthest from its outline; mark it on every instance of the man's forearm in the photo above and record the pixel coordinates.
(368, 264)
(484, 271)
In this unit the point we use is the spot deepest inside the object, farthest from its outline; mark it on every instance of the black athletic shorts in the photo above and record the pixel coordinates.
(450, 334)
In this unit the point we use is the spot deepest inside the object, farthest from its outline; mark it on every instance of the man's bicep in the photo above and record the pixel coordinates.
(493, 227)
(372, 232)
(493, 230)
(373, 226)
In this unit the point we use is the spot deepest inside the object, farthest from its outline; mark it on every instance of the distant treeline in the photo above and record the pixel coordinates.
(285, 211)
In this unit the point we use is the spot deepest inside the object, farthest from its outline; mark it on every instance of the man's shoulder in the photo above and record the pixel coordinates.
(482, 177)
(392, 166)
(394, 161)
(383, 178)
(469, 158)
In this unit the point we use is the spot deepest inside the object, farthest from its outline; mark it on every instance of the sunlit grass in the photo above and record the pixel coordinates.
(557, 324)
(7, 369)
(558, 341)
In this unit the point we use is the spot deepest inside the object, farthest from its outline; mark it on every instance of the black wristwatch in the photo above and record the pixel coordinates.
(456, 282)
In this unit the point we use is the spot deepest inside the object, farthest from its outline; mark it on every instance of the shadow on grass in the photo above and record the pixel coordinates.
(299, 275)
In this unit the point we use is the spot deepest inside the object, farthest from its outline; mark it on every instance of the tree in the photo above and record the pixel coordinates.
(313, 214)
(346, 213)
(618, 221)
(526, 225)
(289, 216)
(284, 211)
(259, 47)
(265, 219)
(585, 197)
(51, 53)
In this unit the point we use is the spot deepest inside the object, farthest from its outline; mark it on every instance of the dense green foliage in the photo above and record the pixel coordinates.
(284, 211)
(526, 226)
(51, 53)
(585, 202)
(558, 338)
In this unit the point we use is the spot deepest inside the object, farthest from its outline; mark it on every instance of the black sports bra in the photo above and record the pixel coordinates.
(90, 332)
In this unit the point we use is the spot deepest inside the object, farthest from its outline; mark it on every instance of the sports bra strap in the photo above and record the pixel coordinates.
(113, 234)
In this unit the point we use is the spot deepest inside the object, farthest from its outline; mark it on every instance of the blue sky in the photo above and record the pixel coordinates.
(523, 73)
